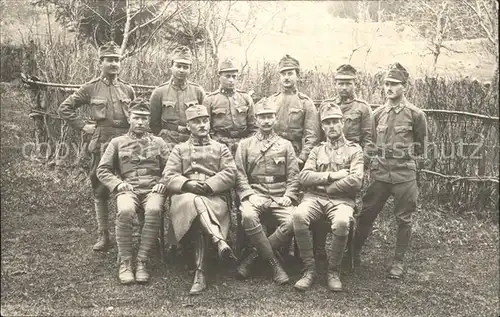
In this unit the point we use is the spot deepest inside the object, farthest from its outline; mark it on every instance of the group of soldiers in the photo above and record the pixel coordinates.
(197, 148)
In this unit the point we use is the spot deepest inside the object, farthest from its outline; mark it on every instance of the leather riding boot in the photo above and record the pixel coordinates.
(102, 214)
(125, 272)
(102, 243)
(141, 272)
(403, 237)
(201, 250)
(334, 263)
(304, 242)
(279, 275)
(245, 267)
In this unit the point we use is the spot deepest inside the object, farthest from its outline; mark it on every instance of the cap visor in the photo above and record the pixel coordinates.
(331, 117)
(185, 61)
(393, 80)
(228, 70)
(198, 116)
(141, 112)
(287, 68)
(344, 77)
(111, 55)
(265, 111)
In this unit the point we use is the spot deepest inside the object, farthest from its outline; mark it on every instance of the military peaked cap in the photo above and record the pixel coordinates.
(345, 71)
(196, 111)
(264, 106)
(110, 49)
(227, 65)
(139, 106)
(329, 110)
(182, 54)
(287, 63)
(397, 74)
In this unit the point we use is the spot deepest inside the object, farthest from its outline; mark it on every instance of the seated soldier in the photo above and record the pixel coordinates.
(131, 166)
(199, 173)
(331, 177)
(267, 183)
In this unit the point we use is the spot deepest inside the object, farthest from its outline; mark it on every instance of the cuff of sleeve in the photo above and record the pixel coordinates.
(114, 184)
(215, 184)
(246, 193)
(291, 195)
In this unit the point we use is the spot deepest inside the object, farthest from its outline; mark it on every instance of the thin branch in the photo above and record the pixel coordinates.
(451, 49)
(224, 25)
(488, 33)
(126, 29)
(97, 13)
(153, 20)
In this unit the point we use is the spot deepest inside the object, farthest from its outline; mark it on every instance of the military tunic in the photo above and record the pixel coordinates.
(357, 120)
(109, 109)
(232, 116)
(268, 168)
(324, 197)
(297, 121)
(138, 161)
(168, 105)
(208, 161)
(399, 134)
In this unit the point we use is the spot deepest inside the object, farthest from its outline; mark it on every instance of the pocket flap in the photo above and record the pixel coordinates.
(339, 160)
(403, 128)
(191, 103)
(168, 103)
(219, 111)
(242, 109)
(279, 159)
(98, 101)
(323, 162)
(352, 116)
(381, 128)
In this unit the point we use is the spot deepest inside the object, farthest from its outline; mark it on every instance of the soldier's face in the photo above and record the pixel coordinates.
(344, 87)
(139, 123)
(110, 65)
(288, 78)
(265, 121)
(394, 90)
(180, 70)
(333, 128)
(199, 127)
(228, 79)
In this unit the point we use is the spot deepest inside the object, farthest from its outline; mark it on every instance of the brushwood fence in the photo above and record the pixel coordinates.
(461, 170)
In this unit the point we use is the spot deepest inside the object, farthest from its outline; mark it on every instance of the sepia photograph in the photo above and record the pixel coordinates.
(249, 158)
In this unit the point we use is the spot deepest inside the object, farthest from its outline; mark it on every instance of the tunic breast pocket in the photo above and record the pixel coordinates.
(296, 118)
(241, 117)
(98, 107)
(352, 124)
(219, 117)
(277, 166)
(322, 165)
(124, 104)
(190, 103)
(341, 162)
(403, 134)
(168, 112)
(381, 132)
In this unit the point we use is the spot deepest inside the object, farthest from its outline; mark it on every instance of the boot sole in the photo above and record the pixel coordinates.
(301, 288)
(142, 281)
(283, 282)
(127, 282)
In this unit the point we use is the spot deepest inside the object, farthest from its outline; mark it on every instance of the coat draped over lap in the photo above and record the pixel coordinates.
(210, 162)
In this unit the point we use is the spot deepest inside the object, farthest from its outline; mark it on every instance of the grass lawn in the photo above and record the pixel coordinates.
(48, 268)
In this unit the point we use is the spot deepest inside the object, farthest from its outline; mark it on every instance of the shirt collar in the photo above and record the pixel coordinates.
(397, 108)
(262, 137)
(200, 141)
(337, 144)
(108, 82)
(291, 91)
(181, 87)
(145, 136)
(226, 91)
(339, 101)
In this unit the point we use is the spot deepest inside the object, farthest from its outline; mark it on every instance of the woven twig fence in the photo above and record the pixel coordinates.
(461, 157)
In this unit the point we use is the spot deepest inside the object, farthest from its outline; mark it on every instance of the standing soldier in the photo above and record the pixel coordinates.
(332, 177)
(297, 117)
(267, 183)
(170, 100)
(131, 166)
(108, 97)
(199, 174)
(399, 135)
(231, 110)
(357, 128)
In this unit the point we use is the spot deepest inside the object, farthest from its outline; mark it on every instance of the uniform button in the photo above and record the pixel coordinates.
(194, 163)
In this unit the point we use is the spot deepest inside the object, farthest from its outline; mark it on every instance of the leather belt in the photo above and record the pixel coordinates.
(267, 179)
(142, 172)
(196, 176)
(113, 124)
(232, 133)
(394, 154)
(175, 127)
